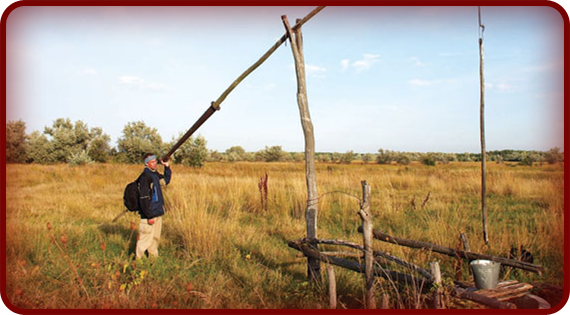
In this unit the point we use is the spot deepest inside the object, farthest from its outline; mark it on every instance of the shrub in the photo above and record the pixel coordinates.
(80, 158)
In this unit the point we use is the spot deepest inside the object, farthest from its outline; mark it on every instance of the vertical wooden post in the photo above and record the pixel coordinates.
(466, 248)
(296, 40)
(370, 301)
(465, 242)
(385, 302)
(332, 287)
(438, 293)
(482, 126)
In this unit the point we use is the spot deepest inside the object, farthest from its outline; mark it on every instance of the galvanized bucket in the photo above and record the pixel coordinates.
(486, 273)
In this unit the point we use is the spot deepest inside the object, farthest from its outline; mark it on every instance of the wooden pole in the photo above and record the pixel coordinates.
(265, 56)
(332, 287)
(366, 216)
(385, 302)
(215, 105)
(310, 251)
(296, 40)
(452, 252)
(438, 293)
(482, 121)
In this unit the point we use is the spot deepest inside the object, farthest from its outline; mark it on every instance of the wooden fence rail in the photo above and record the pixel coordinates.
(455, 253)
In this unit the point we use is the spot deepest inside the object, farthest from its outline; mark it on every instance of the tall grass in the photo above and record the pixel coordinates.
(222, 249)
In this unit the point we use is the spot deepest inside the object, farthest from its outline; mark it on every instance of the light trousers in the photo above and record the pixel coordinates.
(149, 236)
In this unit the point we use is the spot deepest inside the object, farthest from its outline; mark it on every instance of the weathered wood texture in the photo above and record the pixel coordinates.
(296, 40)
(454, 253)
(482, 127)
(438, 293)
(377, 254)
(472, 296)
(215, 105)
(310, 251)
(366, 216)
(332, 287)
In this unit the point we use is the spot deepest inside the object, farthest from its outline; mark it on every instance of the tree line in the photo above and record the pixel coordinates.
(77, 144)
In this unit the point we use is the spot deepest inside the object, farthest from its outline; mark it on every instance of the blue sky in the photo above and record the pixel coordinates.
(397, 78)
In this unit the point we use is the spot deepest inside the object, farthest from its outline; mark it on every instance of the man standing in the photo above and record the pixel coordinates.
(151, 206)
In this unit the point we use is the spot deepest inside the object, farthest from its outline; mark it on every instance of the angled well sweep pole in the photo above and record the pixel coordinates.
(483, 150)
(296, 39)
(216, 104)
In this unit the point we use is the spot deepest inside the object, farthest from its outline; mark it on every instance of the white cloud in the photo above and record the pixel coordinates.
(140, 83)
(366, 62)
(312, 70)
(418, 82)
(418, 62)
(360, 65)
(315, 71)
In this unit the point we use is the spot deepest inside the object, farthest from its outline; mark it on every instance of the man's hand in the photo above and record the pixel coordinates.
(166, 164)
(150, 221)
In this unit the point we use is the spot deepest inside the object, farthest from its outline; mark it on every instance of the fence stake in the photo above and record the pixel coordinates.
(332, 287)
(438, 293)
(368, 253)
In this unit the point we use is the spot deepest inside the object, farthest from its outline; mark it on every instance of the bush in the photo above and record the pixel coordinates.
(16, 142)
(347, 157)
(428, 160)
(137, 140)
(80, 158)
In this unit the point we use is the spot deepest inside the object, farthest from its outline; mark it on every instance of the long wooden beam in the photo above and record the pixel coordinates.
(309, 251)
(454, 253)
(215, 105)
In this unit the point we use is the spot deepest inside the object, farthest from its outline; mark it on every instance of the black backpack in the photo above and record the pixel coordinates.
(131, 195)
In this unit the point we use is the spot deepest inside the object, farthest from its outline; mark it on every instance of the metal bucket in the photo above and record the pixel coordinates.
(486, 273)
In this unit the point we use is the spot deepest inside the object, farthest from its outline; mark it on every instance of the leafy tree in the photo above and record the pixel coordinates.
(298, 157)
(235, 153)
(366, 158)
(323, 157)
(273, 154)
(214, 156)
(16, 142)
(192, 153)
(347, 157)
(553, 156)
(64, 141)
(39, 149)
(385, 157)
(335, 157)
(428, 159)
(99, 149)
(529, 158)
(137, 140)
(403, 159)
(80, 158)
(67, 138)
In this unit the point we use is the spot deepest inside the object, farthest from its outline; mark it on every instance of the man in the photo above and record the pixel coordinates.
(151, 206)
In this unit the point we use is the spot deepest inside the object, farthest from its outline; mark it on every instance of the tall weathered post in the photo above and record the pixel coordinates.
(482, 121)
(366, 216)
(296, 40)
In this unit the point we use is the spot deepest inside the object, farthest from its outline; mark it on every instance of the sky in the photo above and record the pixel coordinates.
(396, 78)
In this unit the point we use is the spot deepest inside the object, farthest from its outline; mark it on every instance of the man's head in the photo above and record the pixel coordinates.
(150, 161)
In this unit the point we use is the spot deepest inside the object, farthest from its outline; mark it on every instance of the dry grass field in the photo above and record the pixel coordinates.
(222, 249)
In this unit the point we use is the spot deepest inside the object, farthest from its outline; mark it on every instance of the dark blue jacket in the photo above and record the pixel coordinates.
(151, 199)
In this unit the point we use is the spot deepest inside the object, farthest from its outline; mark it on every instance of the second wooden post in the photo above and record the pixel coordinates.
(370, 301)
